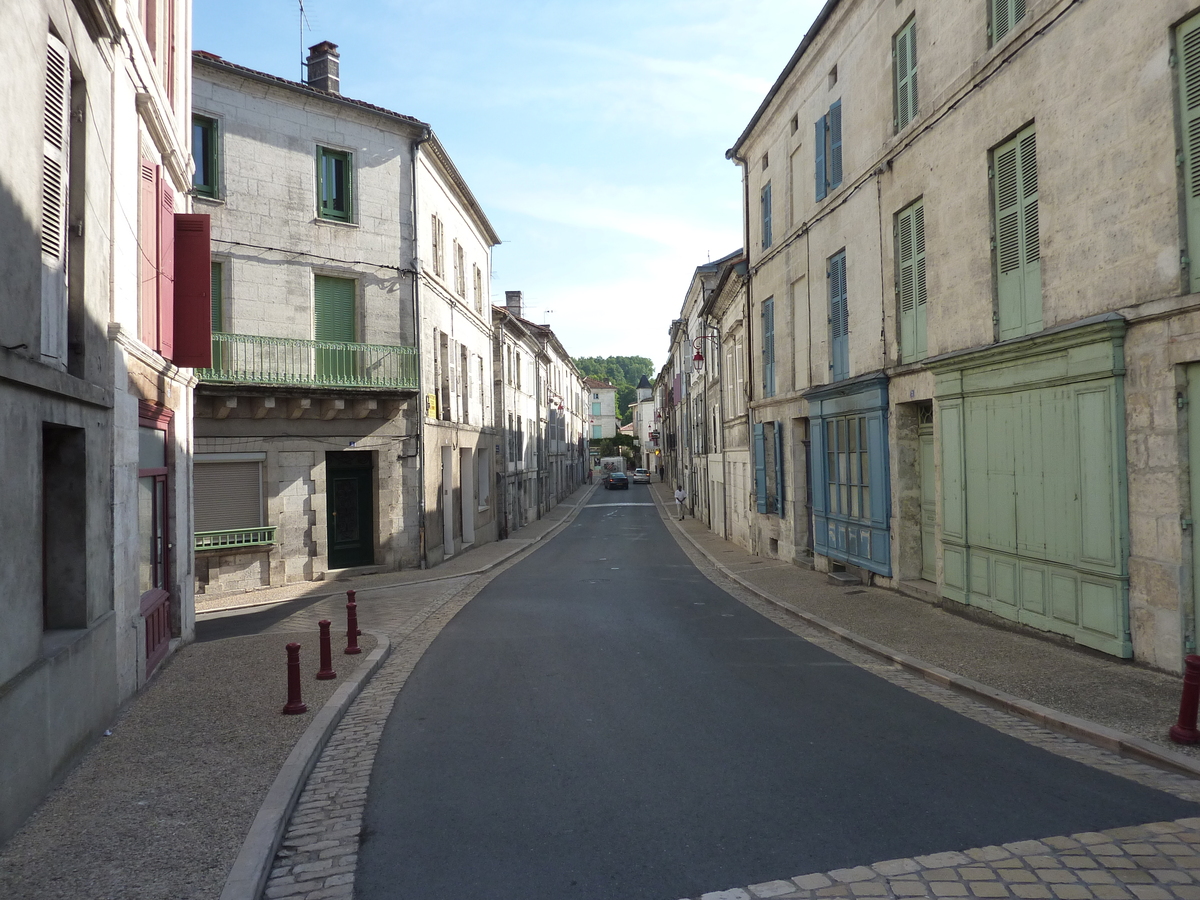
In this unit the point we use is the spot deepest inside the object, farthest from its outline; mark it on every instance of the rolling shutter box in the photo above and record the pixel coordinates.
(228, 495)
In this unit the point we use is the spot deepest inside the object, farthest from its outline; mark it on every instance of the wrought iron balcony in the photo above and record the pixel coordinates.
(252, 359)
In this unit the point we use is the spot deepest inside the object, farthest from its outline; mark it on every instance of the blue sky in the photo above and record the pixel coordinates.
(593, 134)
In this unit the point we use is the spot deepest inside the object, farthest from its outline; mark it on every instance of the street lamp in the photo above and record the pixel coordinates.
(698, 345)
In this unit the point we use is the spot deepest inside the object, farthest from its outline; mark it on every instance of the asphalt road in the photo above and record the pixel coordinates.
(603, 722)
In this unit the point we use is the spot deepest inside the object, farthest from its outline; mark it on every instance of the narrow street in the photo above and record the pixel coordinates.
(602, 721)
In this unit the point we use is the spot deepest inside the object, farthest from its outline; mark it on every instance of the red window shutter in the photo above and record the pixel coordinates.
(193, 292)
(148, 254)
(166, 269)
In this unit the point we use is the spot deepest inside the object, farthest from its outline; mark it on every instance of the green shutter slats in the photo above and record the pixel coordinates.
(1188, 50)
(910, 254)
(1029, 198)
(217, 298)
(1018, 241)
(333, 318)
(904, 72)
(1005, 15)
(768, 324)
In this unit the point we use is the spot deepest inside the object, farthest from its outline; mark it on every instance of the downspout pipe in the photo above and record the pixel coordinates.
(424, 136)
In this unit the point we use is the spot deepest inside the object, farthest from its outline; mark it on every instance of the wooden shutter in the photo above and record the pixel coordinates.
(910, 286)
(768, 350)
(835, 144)
(1188, 50)
(148, 254)
(194, 277)
(779, 467)
(56, 114)
(1018, 255)
(166, 268)
(1005, 14)
(760, 467)
(766, 216)
(839, 320)
(333, 309)
(904, 68)
(822, 184)
(228, 495)
(217, 295)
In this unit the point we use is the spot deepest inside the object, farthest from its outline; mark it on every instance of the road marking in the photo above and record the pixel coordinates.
(594, 505)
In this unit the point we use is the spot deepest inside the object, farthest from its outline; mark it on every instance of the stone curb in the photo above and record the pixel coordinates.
(399, 584)
(1081, 729)
(250, 870)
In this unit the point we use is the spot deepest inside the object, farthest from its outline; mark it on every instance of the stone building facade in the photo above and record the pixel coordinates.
(307, 450)
(99, 267)
(978, 301)
(346, 421)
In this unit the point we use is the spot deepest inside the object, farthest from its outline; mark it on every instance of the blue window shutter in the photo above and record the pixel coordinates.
(779, 468)
(766, 216)
(819, 146)
(839, 319)
(835, 144)
(768, 350)
(760, 468)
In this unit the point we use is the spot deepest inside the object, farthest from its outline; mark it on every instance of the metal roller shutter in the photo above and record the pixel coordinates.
(228, 495)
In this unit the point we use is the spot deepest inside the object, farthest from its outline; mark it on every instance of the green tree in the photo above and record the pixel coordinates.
(623, 372)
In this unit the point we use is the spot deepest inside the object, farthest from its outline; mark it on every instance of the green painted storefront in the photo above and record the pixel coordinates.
(1034, 510)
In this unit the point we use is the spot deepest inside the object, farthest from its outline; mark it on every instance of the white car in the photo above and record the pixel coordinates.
(641, 476)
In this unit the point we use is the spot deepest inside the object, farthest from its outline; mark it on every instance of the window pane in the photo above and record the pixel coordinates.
(152, 448)
(145, 533)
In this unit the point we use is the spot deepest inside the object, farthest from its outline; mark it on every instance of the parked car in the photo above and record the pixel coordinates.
(615, 480)
(641, 476)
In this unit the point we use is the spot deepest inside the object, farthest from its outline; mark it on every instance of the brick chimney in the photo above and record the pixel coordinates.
(512, 300)
(323, 67)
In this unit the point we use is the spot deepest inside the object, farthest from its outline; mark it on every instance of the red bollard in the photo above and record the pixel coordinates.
(352, 625)
(295, 704)
(326, 671)
(1184, 731)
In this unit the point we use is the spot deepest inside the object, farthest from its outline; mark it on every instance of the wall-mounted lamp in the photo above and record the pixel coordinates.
(698, 344)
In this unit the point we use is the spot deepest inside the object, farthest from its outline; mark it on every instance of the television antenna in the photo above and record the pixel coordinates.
(303, 19)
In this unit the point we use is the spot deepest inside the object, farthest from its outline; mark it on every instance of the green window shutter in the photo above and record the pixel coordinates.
(218, 298)
(1018, 255)
(333, 185)
(333, 309)
(920, 294)
(904, 71)
(910, 283)
(1005, 14)
(1187, 39)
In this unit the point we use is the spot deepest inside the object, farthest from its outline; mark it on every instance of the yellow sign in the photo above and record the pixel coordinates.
(431, 405)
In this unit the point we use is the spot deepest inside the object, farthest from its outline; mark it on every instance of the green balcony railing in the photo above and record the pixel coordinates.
(235, 537)
(251, 359)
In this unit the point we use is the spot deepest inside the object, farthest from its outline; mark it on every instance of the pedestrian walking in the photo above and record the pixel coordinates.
(680, 500)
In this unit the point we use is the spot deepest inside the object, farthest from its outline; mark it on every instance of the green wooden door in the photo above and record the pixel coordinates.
(928, 506)
(334, 322)
(349, 509)
(1193, 378)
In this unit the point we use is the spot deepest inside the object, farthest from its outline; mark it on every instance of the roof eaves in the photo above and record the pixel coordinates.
(809, 37)
(443, 158)
(212, 60)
